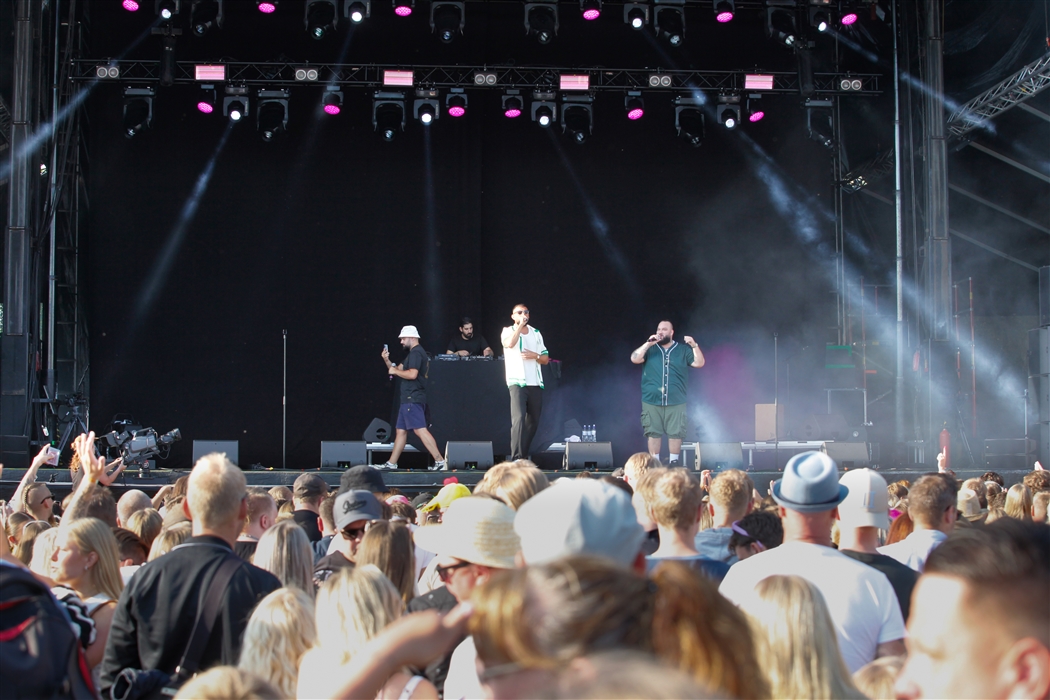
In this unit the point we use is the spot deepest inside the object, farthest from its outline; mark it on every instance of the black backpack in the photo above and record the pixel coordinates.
(40, 656)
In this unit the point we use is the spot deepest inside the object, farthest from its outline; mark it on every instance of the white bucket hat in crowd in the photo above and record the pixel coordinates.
(868, 502)
(476, 530)
(409, 332)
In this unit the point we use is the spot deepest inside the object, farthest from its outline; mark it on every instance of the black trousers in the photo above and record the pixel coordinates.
(526, 405)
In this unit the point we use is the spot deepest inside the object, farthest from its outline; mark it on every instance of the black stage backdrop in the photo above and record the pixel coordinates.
(341, 239)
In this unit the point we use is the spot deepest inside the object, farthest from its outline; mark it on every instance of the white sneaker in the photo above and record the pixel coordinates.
(441, 466)
(386, 465)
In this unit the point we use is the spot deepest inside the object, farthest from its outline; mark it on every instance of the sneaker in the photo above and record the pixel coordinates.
(673, 463)
(441, 466)
(386, 465)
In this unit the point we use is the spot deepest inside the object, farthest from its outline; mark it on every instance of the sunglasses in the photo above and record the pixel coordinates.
(445, 572)
(523, 312)
(355, 533)
(45, 499)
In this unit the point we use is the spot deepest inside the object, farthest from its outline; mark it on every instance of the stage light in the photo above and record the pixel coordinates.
(456, 102)
(541, 20)
(266, 6)
(634, 105)
(110, 72)
(820, 124)
(728, 111)
(447, 19)
(138, 110)
(591, 9)
(485, 78)
(848, 18)
(425, 106)
(758, 82)
(235, 102)
(689, 120)
(512, 104)
(725, 10)
(272, 113)
(398, 78)
(636, 14)
(332, 101)
(166, 9)
(306, 74)
(357, 10)
(207, 99)
(130, 5)
(404, 8)
(660, 80)
(577, 116)
(754, 109)
(819, 19)
(544, 108)
(669, 21)
(205, 14)
(782, 24)
(320, 18)
(850, 84)
(388, 114)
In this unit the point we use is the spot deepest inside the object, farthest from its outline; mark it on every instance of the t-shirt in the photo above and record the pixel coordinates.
(462, 680)
(713, 543)
(913, 549)
(475, 346)
(307, 520)
(522, 372)
(665, 374)
(714, 570)
(415, 390)
(860, 599)
(245, 549)
(901, 577)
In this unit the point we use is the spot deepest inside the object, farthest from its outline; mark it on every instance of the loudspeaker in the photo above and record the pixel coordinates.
(766, 422)
(588, 455)
(824, 426)
(719, 455)
(378, 431)
(206, 447)
(848, 455)
(468, 455)
(343, 455)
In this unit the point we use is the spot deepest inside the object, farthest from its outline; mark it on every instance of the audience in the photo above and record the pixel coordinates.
(1019, 503)
(729, 501)
(876, 680)
(308, 492)
(388, 546)
(1040, 503)
(932, 509)
(326, 513)
(168, 539)
(636, 467)
(147, 524)
(228, 683)
(512, 482)
(280, 631)
(26, 543)
(130, 503)
(262, 514)
(756, 532)
(285, 552)
(43, 549)
(354, 511)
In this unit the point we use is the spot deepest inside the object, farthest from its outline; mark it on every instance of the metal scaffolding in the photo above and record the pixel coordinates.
(1029, 81)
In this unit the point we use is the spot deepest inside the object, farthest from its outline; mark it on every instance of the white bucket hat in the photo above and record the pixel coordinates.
(476, 530)
(409, 332)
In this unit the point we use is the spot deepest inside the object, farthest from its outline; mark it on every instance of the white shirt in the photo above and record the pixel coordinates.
(860, 599)
(913, 549)
(522, 372)
(462, 679)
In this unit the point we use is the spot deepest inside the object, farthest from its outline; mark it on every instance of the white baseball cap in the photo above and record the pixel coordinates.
(409, 332)
(868, 502)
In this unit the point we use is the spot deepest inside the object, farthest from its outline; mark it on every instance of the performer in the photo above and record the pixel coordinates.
(467, 343)
(413, 412)
(524, 352)
(664, 382)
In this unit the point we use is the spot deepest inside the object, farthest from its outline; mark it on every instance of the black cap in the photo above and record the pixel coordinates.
(362, 477)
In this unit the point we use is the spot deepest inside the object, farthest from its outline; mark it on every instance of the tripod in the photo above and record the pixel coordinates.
(76, 422)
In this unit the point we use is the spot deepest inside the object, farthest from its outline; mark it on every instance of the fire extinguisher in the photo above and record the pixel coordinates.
(946, 447)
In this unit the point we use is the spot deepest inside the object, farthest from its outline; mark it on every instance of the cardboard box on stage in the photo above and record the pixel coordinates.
(765, 419)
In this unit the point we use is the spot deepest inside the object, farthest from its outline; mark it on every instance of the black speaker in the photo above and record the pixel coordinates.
(343, 455)
(825, 426)
(588, 455)
(205, 447)
(378, 431)
(719, 455)
(468, 455)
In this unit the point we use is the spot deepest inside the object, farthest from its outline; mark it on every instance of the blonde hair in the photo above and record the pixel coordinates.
(731, 490)
(215, 491)
(279, 632)
(286, 511)
(147, 524)
(673, 496)
(228, 683)
(168, 539)
(284, 550)
(514, 482)
(638, 464)
(876, 679)
(26, 546)
(353, 606)
(1041, 501)
(796, 641)
(43, 550)
(93, 535)
(1019, 502)
(389, 547)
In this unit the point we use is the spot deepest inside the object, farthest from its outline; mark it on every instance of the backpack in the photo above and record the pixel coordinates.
(40, 655)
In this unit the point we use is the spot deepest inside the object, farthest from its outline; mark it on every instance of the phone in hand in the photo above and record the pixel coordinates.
(386, 347)
(52, 455)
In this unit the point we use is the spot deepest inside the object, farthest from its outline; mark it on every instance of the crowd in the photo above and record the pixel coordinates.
(652, 582)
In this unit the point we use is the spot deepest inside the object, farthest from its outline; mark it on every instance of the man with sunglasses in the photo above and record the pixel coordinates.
(524, 353)
(354, 512)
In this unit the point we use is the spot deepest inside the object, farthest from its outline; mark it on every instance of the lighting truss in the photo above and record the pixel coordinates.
(1025, 83)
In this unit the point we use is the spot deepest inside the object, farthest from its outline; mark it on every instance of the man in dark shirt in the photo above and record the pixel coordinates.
(466, 343)
(307, 493)
(354, 511)
(156, 612)
(864, 512)
(413, 413)
(262, 514)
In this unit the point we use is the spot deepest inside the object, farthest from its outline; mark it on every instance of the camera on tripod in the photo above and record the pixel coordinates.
(135, 447)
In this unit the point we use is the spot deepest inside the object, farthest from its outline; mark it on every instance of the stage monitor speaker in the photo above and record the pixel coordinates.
(205, 447)
(343, 455)
(717, 456)
(848, 455)
(824, 426)
(588, 455)
(378, 431)
(468, 455)
(766, 421)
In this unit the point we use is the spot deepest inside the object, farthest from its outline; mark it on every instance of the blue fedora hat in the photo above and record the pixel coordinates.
(810, 484)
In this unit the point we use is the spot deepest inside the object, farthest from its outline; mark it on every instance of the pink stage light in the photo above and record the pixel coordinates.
(849, 18)
(756, 116)
(205, 107)
(267, 7)
(456, 111)
(635, 113)
(131, 5)
(403, 10)
(724, 17)
(331, 109)
(591, 14)
(512, 113)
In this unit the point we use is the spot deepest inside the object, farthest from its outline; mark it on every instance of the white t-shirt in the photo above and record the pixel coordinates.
(915, 548)
(522, 372)
(860, 599)
(462, 679)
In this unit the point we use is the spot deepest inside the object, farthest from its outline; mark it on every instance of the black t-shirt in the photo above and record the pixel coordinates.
(415, 390)
(245, 549)
(901, 577)
(307, 520)
(475, 346)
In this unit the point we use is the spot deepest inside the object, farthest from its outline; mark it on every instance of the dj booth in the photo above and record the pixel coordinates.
(469, 402)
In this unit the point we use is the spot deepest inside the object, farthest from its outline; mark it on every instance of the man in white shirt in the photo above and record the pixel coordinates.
(932, 507)
(524, 353)
(860, 599)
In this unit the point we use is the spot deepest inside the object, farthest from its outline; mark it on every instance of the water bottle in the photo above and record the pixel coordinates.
(586, 433)
(594, 433)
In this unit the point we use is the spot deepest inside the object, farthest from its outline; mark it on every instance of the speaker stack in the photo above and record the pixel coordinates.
(1039, 372)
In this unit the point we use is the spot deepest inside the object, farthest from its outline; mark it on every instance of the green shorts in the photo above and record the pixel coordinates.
(658, 421)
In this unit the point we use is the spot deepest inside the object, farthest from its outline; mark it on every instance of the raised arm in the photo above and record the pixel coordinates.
(94, 468)
(698, 355)
(638, 356)
(108, 477)
(17, 502)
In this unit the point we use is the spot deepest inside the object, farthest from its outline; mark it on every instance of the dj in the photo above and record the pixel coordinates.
(467, 343)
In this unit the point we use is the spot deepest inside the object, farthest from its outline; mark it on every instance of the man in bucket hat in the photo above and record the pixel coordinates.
(860, 599)
(413, 414)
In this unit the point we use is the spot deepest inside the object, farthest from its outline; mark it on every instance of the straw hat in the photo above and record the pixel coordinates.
(475, 530)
